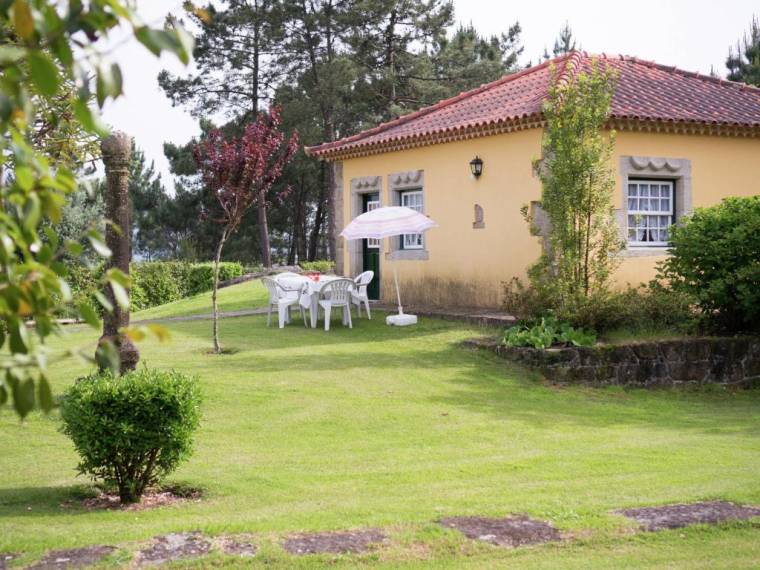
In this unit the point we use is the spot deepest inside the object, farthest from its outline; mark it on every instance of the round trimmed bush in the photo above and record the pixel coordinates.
(715, 258)
(131, 431)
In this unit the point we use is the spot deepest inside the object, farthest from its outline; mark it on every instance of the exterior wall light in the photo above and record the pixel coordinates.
(476, 166)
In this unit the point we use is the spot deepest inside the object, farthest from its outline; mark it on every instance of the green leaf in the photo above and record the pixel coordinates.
(23, 397)
(11, 54)
(23, 20)
(120, 294)
(74, 248)
(3, 395)
(108, 83)
(89, 120)
(103, 300)
(24, 177)
(97, 244)
(44, 73)
(45, 395)
(19, 336)
(89, 315)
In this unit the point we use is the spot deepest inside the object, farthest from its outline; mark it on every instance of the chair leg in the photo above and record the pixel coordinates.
(303, 315)
(366, 306)
(283, 314)
(328, 310)
(269, 315)
(347, 311)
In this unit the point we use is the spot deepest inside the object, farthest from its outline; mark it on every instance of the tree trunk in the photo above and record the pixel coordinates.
(214, 290)
(318, 216)
(266, 253)
(330, 195)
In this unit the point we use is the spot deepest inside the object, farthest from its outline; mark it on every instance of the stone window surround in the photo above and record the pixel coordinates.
(397, 183)
(360, 187)
(658, 168)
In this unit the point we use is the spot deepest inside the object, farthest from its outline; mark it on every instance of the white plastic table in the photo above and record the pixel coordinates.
(310, 293)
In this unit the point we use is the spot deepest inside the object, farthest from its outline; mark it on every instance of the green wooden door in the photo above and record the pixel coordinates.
(371, 249)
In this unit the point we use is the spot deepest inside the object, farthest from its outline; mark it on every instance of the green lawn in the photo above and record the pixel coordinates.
(250, 295)
(396, 428)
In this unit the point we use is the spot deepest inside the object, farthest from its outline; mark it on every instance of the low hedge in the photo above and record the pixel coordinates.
(154, 282)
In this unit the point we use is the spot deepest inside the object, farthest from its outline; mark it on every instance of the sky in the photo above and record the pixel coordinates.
(693, 35)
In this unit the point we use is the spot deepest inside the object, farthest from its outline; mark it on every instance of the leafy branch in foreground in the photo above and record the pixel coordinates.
(49, 50)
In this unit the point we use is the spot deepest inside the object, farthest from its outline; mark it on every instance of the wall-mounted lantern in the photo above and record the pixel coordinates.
(476, 166)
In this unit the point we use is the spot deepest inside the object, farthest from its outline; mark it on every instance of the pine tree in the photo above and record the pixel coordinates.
(744, 63)
(467, 60)
(565, 42)
(236, 47)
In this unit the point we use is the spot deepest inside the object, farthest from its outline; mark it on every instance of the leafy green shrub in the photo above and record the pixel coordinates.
(321, 265)
(646, 307)
(201, 275)
(715, 258)
(133, 430)
(548, 332)
(156, 283)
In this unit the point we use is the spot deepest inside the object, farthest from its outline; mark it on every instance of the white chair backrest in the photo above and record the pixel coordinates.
(338, 291)
(364, 279)
(273, 288)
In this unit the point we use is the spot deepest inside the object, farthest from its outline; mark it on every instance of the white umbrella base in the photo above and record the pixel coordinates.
(402, 320)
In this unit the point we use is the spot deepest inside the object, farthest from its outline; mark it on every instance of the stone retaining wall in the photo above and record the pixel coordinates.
(727, 361)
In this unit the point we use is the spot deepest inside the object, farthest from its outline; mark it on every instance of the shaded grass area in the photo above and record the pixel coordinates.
(396, 428)
(243, 296)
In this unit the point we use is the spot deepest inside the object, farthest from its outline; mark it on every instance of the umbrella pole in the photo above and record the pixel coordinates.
(398, 293)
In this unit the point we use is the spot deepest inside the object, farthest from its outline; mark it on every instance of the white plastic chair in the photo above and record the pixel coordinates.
(337, 294)
(359, 294)
(282, 299)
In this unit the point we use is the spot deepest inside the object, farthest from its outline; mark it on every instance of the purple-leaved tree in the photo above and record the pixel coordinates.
(240, 173)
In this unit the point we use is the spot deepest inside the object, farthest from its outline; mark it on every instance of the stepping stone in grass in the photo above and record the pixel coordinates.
(173, 547)
(333, 542)
(680, 515)
(72, 558)
(236, 546)
(512, 531)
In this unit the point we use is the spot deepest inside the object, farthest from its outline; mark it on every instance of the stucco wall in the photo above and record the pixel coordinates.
(467, 266)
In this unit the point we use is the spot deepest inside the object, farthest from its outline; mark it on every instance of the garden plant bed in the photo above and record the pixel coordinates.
(73, 558)
(680, 515)
(150, 500)
(333, 542)
(517, 530)
(730, 361)
(174, 547)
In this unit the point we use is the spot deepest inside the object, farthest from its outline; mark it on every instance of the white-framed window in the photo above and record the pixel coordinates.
(412, 199)
(650, 212)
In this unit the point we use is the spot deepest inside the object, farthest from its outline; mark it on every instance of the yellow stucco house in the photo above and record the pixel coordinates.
(683, 140)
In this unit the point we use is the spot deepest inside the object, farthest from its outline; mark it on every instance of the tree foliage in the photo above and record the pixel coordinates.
(715, 259)
(577, 185)
(744, 63)
(239, 173)
(49, 58)
(335, 67)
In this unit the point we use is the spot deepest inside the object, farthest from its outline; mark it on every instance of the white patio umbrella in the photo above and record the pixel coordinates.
(388, 222)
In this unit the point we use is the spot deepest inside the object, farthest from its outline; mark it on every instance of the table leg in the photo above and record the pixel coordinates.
(314, 311)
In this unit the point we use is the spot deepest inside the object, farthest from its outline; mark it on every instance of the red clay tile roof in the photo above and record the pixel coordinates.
(646, 92)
